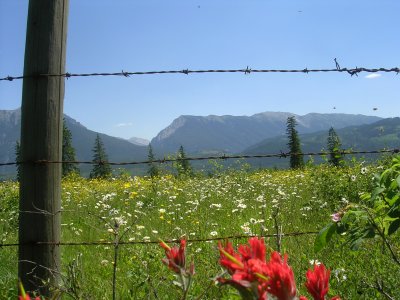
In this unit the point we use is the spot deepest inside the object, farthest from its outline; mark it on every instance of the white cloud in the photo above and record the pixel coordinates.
(124, 124)
(373, 75)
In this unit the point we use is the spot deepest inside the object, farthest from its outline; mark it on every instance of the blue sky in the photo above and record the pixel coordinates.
(110, 36)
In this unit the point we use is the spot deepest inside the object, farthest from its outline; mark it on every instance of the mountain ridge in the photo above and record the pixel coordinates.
(117, 149)
(232, 134)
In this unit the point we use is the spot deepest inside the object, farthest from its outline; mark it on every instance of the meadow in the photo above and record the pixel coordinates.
(142, 210)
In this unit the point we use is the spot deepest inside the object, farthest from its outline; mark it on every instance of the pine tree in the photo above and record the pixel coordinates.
(17, 159)
(182, 164)
(101, 169)
(334, 147)
(153, 170)
(296, 157)
(68, 152)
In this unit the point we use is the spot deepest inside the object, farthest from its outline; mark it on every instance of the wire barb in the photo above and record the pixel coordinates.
(126, 74)
(337, 64)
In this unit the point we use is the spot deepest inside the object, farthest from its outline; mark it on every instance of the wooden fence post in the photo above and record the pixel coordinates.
(41, 139)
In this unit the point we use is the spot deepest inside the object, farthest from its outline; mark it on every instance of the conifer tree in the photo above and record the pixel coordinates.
(68, 152)
(296, 157)
(18, 158)
(183, 165)
(334, 147)
(101, 169)
(153, 171)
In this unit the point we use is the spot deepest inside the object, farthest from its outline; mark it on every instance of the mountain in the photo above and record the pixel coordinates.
(233, 134)
(139, 141)
(118, 150)
(384, 133)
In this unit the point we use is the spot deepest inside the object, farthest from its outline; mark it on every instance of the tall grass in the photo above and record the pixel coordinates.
(232, 203)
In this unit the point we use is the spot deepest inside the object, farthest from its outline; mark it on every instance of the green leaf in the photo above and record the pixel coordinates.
(394, 213)
(394, 201)
(394, 226)
(355, 244)
(377, 191)
(324, 236)
(394, 184)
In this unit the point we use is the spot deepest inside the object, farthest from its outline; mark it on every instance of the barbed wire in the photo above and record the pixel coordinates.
(246, 71)
(107, 243)
(220, 157)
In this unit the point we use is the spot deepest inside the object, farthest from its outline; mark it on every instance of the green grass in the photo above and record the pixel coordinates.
(232, 203)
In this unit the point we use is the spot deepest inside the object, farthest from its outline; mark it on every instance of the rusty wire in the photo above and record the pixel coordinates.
(106, 243)
(221, 157)
(247, 70)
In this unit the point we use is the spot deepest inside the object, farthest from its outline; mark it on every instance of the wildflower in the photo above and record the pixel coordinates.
(318, 282)
(314, 262)
(336, 217)
(213, 233)
(229, 258)
(255, 249)
(280, 276)
(245, 227)
(175, 256)
(176, 262)
(249, 269)
(337, 272)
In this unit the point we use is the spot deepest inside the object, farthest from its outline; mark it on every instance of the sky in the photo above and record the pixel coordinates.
(148, 35)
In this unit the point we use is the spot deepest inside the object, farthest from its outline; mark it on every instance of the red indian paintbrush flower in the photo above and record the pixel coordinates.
(255, 278)
(255, 249)
(175, 256)
(239, 266)
(318, 282)
(280, 276)
(250, 269)
(229, 258)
